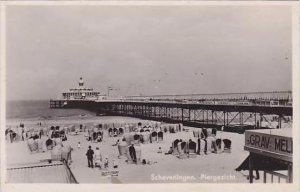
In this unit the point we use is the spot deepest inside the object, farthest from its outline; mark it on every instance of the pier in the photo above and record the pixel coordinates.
(237, 112)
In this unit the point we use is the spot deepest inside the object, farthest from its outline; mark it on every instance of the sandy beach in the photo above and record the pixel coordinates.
(209, 168)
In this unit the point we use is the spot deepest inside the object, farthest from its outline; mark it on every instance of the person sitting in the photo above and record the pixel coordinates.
(170, 151)
(117, 143)
(159, 150)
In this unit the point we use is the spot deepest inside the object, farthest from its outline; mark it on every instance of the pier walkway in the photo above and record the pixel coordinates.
(231, 110)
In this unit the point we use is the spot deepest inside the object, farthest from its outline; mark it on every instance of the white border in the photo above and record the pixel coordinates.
(161, 187)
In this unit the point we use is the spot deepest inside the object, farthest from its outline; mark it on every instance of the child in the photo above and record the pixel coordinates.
(159, 150)
(78, 145)
(106, 162)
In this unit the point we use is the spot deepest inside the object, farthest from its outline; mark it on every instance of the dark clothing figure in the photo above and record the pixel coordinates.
(90, 155)
(132, 153)
(198, 150)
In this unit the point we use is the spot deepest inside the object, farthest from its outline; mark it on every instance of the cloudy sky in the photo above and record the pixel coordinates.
(147, 49)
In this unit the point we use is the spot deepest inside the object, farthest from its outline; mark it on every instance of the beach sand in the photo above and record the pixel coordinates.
(211, 168)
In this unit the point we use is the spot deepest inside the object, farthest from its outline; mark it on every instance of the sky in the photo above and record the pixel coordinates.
(147, 50)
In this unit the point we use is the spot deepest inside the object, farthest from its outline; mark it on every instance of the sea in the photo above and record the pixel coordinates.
(38, 111)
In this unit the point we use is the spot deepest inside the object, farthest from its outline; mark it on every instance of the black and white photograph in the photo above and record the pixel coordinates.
(149, 94)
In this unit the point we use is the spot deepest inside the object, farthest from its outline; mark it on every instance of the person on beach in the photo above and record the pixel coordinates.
(170, 151)
(159, 150)
(117, 143)
(90, 155)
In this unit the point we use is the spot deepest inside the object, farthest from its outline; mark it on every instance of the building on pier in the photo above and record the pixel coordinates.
(82, 93)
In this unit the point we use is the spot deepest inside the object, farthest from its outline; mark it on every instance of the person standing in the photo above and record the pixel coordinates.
(90, 155)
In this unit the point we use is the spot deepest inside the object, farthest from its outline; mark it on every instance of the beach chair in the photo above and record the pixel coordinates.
(154, 136)
(121, 131)
(58, 141)
(110, 130)
(182, 150)
(128, 138)
(214, 132)
(192, 146)
(138, 153)
(165, 129)
(219, 145)
(116, 132)
(122, 148)
(175, 147)
(202, 146)
(126, 127)
(129, 155)
(177, 128)
(30, 143)
(180, 127)
(40, 145)
(146, 137)
(204, 134)
(49, 144)
(136, 138)
(65, 153)
(35, 145)
(195, 133)
(227, 145)
(160, 136)
(56, 154)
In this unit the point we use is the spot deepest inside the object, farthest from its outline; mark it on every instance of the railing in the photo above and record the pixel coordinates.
(71, 177)
(275, 95)
(273, 174)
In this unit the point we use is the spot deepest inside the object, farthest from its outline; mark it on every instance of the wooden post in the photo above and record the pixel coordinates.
(290, 173)
(251, 167)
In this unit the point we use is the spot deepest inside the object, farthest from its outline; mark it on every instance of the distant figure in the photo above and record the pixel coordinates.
(106, 162)
(159, 150)
(117, 143)
(170, 151)
(78, 145)
(90, 154)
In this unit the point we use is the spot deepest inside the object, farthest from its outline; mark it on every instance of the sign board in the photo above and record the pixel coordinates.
(271, 143)
(112, 173)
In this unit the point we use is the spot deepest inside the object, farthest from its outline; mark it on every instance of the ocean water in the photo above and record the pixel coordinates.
(32, 112)
(40, 111)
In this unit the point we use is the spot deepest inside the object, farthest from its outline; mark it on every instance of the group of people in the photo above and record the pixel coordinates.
(95, 159)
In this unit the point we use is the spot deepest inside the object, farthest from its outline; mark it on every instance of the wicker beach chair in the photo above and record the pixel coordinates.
(219, 145)
(122, 148)
(121, 131)
(116, 132)
(192, 152)
(110, 130)
(56, 153)
(182, 147)
(146, 137)
(175, 147)
(49, 144)
(128, 138)
(30, 143)
(227, 145)
(136, 138)
(154, 136)
(138, 153)
(160, 136)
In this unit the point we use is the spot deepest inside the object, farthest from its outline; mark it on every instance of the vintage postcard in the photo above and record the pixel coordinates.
(172, 95)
